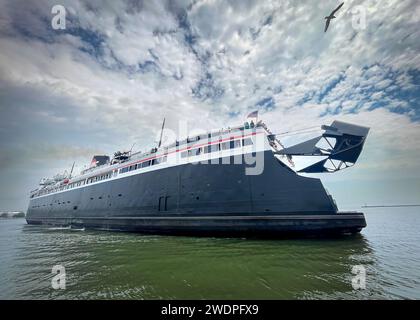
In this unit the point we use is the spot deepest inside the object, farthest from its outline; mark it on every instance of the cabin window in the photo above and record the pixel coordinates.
(159, 160)
(145, 164)
(184, 154)
(124, 170)
(194, 152)
(211, 148)
(247, 142)
(214, 147)
(225, 145)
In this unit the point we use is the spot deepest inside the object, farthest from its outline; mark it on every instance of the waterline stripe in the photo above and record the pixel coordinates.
(299, 217)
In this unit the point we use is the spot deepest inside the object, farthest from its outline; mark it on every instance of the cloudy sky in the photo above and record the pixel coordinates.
(119, 67)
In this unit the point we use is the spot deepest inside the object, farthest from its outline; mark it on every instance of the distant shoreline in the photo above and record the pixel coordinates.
(11, 214)
(391, 206)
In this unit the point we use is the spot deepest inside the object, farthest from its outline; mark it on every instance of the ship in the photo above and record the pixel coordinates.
(240, 181)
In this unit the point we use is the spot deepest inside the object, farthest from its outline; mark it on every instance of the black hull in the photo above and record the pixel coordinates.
(235, 226)
(203, 199)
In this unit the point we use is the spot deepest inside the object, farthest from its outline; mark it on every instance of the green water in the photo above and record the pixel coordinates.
(109, 265)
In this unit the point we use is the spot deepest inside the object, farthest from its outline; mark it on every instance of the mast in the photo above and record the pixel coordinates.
(161, 133)
(131, 150)
(71, 171)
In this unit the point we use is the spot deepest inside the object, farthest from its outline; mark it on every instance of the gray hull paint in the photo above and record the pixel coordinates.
(207, 199)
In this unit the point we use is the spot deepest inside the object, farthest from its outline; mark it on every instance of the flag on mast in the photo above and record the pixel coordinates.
(253, 114)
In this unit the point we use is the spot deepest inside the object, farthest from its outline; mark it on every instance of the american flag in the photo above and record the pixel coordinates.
(253, 114)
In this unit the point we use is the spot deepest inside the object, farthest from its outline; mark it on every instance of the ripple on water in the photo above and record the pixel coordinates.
(106, 265)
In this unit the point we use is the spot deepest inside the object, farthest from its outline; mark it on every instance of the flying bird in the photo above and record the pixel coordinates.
(331, 16)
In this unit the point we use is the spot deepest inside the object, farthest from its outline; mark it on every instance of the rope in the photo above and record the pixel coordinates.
(300, 131)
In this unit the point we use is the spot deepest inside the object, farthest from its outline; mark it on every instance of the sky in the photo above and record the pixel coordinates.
(118, 68)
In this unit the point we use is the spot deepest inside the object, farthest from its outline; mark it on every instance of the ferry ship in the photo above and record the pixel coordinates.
(239, 181)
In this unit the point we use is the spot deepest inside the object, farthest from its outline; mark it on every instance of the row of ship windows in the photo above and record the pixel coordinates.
(78, 183)
(217, 147)
(105, 176)
(193, 152)
(144, 164)
(213, 134)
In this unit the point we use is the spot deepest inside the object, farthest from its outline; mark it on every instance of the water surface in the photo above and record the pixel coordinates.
(111, 265)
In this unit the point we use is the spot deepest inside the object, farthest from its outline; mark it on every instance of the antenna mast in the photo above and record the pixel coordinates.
(161, 133)
(72, 167)
(132, 147)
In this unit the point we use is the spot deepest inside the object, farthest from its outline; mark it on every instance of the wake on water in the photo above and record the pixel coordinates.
(66, 228)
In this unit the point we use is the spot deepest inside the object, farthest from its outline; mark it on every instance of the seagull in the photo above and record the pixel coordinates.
(331, 16)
